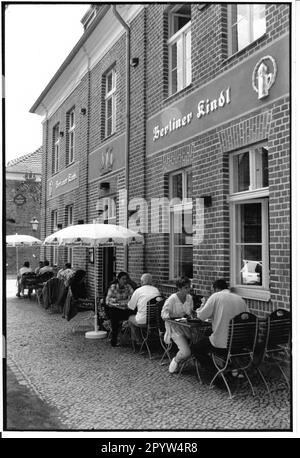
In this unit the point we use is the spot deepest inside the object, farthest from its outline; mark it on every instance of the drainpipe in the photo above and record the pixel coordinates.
(45, 154)
(127, 133)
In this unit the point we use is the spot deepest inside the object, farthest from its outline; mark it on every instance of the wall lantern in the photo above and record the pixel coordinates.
(61, 134)
(105, 185)
(83, 111)
(35, 224)
(207, 201)
(80, 221)
(134, 62)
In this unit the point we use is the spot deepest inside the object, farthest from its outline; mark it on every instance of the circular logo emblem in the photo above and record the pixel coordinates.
(19, 199)
(264, 75)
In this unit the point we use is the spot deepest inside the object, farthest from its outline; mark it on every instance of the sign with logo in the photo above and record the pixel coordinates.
(223, 98)
(63, 182)
(107, 158)
(19, 200)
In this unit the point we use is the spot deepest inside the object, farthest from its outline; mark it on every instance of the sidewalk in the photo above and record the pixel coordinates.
(93, 386)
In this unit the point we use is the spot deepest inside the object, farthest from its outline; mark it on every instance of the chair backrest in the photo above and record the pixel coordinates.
(242, 335)
(278, 329)
(30, 275)
(153, 313)
(42, 278)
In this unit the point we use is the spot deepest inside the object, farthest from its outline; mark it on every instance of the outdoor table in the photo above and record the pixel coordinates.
(194, 328)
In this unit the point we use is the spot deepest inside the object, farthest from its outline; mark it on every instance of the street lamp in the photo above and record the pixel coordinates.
(35, 224)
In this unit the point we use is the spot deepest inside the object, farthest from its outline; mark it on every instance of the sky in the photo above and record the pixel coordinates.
(38, 38)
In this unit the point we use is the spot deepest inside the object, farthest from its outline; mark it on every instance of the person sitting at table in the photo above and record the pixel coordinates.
(78, 286)
(46, 268)
(138, 302)
(38, 268)
(117, 299)
(178, 305)
(24, 269)
(66, 273)
(220, 307)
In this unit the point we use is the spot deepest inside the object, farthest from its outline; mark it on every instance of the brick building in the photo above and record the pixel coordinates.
(23, 200)
(174, 119)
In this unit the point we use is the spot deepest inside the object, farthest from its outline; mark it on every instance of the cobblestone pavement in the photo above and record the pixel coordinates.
(97, 387)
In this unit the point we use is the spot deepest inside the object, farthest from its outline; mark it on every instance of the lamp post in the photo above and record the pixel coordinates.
(35, 224)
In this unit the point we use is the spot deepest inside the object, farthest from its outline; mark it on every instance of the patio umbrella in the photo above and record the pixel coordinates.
(20, 240)
(93, 235)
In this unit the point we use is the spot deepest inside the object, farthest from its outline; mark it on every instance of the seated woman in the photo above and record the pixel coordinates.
(78, 286)
(178, 305)
(117, 298)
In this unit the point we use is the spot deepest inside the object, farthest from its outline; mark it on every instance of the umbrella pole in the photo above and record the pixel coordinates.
(95, 334)
(17, 260)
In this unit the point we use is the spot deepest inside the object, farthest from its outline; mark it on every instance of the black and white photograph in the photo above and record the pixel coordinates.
(149, 198)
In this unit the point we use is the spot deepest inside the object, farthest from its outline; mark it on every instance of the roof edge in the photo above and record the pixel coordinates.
(71, 55)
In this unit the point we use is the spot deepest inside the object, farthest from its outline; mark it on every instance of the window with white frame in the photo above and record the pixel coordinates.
(249, 191)
(110, 102)
(179, 48)
(55, 149)
(54, 223)
(70, 136)
(69, 221)
(247, 22)
(181, 225)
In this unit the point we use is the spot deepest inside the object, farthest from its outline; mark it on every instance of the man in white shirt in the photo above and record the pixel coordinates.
(26, 268)
(46, 268)
(221, 307)
(139, 301)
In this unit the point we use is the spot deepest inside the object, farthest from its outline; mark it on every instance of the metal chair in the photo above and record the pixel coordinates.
(242, 336)
(150, 331)
(28, 282)
(276, 348)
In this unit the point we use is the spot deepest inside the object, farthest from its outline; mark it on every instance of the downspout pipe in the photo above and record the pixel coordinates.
(127, 133)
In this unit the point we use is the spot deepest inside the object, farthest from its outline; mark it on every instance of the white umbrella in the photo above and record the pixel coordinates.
(93, 235)
(19, 240)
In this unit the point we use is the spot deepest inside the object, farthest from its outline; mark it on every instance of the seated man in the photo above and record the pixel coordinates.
(25, 269)
(221, 307)
(38, 268)
(139, 301)
(46, 268)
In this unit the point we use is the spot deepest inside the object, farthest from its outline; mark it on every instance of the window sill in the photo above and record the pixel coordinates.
(253, 293)
(70, 163)
(182, 91)
(245, 49)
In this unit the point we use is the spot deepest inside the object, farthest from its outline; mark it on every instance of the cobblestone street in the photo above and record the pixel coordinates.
(96, 387)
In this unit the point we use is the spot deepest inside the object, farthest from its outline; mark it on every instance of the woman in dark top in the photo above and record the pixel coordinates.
(77, 285)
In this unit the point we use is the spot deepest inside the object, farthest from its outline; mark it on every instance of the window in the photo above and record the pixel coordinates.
(110, 103)
(181, 229)
(179, 48)
(249, 218)
(246, 24)
(69, 221)
(55, 149)
(70, 137)
(54, 223)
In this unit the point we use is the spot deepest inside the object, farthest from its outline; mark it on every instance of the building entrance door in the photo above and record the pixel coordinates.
(108, 265)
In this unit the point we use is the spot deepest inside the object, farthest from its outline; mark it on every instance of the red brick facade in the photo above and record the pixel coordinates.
(206, 150)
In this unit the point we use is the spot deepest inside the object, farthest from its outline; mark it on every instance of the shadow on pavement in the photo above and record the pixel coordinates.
(25, 411)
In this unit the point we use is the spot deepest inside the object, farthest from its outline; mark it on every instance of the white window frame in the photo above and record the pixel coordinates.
(71, 136)
(56, 148)
(185, 205)
(250, 28)
(110, 95)
(260, 195)
(184, 70)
